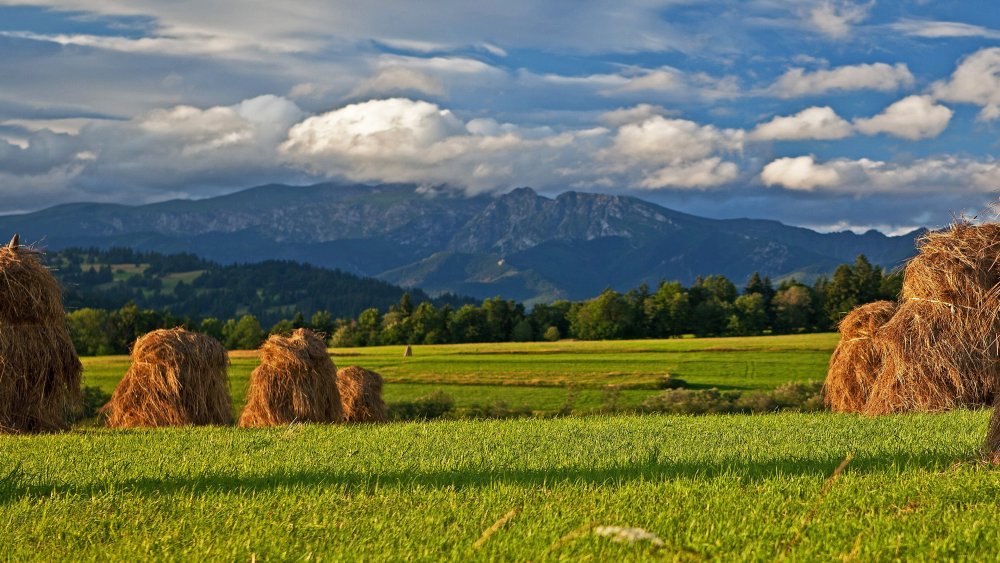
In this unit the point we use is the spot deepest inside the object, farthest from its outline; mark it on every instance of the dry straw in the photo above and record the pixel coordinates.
(295, 382)
(177, 378)
(857, 358)
(361, 393)
(40, 373)
(940, 349)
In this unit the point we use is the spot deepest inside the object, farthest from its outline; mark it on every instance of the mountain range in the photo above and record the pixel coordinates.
(518, 245)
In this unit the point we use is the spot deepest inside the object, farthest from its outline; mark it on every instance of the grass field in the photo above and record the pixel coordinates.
(731, 487)
(536, 375)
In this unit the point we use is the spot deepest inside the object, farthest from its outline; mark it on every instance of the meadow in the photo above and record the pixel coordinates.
(537, 376)
(750, 487)
(790, 486)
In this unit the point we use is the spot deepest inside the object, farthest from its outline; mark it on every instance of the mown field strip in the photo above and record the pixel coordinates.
(730, 487)
(536, 374)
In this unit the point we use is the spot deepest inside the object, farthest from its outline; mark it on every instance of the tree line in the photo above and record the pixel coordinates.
(711, 306)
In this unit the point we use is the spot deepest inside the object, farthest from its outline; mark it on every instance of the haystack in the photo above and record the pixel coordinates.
(858, 358)
(39, 369)
(177, 378)
(361, 395)
(295, 382)
(940, 349)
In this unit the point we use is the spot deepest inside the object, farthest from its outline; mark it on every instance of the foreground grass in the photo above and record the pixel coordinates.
(732, 487)
(536, 375)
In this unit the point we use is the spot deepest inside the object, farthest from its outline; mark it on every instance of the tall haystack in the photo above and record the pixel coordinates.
(940, 350)
(295, 382)
(361, 393)
(40, 373)
(177, 378)
(858, 358)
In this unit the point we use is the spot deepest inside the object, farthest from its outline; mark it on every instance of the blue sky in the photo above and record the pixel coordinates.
(825, 113)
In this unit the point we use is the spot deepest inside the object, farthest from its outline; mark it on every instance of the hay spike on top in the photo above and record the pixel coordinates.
(15, 241)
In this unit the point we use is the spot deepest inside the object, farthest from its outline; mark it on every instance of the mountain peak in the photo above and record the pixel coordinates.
(572, 246)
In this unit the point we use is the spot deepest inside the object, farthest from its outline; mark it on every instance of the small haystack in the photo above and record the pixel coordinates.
(408, 352)
(858, 358)
(361, 395)
(177, 378)
(295, 382)
(40, 373)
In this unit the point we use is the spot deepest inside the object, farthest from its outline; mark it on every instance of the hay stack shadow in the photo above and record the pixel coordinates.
(40, 373)
(295, 382)
(361, 393)
(177, 378)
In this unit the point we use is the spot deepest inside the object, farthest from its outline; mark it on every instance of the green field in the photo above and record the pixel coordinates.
(536, 375)
(747, 487)
(731, 487)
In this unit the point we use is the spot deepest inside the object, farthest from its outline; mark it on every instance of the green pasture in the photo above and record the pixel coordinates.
(538, 375)
(739, 487)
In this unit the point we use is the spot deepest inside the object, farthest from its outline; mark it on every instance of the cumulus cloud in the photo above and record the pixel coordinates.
(864, 176)
(835, 18)
(405, 140)
(878, 76)
(976, 80)
(810, 123)
(676, 152)
(800, 173)
(913, 118)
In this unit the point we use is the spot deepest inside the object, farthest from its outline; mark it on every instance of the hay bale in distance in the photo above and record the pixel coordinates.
(408, 352)
(40, 373)
(177, 378)
(361, 395)
(295, 382)
(858, 358)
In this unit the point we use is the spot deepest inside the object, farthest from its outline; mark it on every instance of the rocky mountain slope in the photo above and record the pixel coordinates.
(519, 245)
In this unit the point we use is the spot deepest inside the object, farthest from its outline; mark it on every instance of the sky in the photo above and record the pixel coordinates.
(830, 114)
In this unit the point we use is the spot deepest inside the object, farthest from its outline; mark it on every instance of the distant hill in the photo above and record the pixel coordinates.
(191, 286)
(519, 245)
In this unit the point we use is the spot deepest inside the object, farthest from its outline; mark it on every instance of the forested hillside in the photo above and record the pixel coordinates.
(187, 285)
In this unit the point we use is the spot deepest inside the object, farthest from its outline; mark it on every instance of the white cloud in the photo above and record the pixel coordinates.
(675, 153)
(878, 76)
(835, 18)
(976, 80)
(398, 79)
(705, 173)
(942, 29)
(406, 140)
(810, 123)
(913, 118)
(800, 173)
(933, 176)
